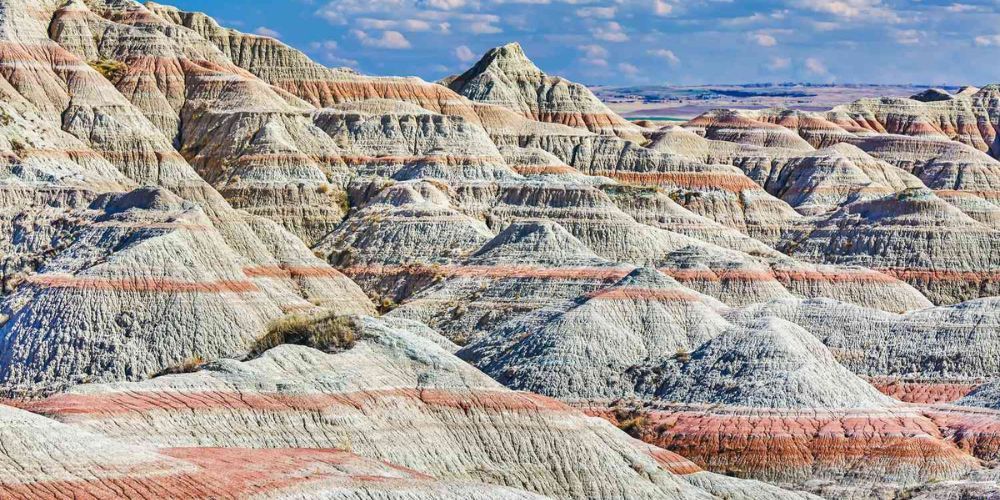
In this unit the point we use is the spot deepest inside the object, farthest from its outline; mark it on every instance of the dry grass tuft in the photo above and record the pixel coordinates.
(325, 332)
(189, 365)
(111, 69)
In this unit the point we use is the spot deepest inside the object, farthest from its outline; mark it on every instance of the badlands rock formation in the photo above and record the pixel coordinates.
(506, 77)
(229, 271)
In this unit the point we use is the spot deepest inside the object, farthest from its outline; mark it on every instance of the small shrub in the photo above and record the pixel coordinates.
(329, 333)
(323, 189)
(909, 194)
(386, 305)
(19, 148)
(682, 355)
(341, 200)
(633, 426)
(189, 365)
(111, 69)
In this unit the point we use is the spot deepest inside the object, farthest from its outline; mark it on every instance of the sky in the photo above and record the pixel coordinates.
(643, 42)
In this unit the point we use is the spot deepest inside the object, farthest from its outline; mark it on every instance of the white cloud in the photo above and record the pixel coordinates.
(988, 40)
(446, 4)
(628, 69)
(327, 51)
(779, 63)
(268, 32)
(662, 7)
(465, 54)
(816, 66)
(413, 25)
(388, 40)
(343, 11)
(907, 37)
(598, 12)
(483, 28)
(610, 32)
(763, 39)
(959, 8)
(594, 51)
(857, 10)
(665, 54)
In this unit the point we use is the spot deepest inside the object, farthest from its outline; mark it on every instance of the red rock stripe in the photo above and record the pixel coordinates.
(292, 272)
(776, 446)
(835, 277)
(143, 284)
(69, 406)
(976, 430)
(930, 275)
(990, 195)
(155, 225)
(548, 169)
(688, 180)
(717, 274)
(644, 294)
(923, 392)
(368, 160)
(224, 473)
(495, 272)
(444, 159)
(673, 462)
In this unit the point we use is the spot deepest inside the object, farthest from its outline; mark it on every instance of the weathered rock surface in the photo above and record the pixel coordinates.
(506, 77)
(582, 349)
(46, 459)
(927, 356)
(393, 396)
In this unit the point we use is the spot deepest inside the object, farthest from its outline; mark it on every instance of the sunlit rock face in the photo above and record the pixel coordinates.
(506, 77)
(227, 270)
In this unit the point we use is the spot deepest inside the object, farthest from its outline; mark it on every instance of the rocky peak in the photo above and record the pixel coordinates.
(932, 95)
(508, 59)
(534, 241)
(506, 77)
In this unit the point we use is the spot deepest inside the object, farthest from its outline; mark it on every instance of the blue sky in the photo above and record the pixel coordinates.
(643, 41)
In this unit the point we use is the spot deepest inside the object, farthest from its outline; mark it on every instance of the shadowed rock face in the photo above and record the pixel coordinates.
(751, 293)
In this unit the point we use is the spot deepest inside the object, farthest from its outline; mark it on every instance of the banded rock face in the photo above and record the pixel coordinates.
(394, 396)
(506, 77)
(582, 349)
(768, 400)
(928, 356)
(46, 459)
(914, 236)
(119, 302)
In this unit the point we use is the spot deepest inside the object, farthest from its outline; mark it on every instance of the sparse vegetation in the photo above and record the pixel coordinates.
(342, 201)
(633, 426)
(684, 197)
(386, 305)
(19, 148)
(189, 365)
(111, 69)
(326, 332)
(682, 355)
(909, 194)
